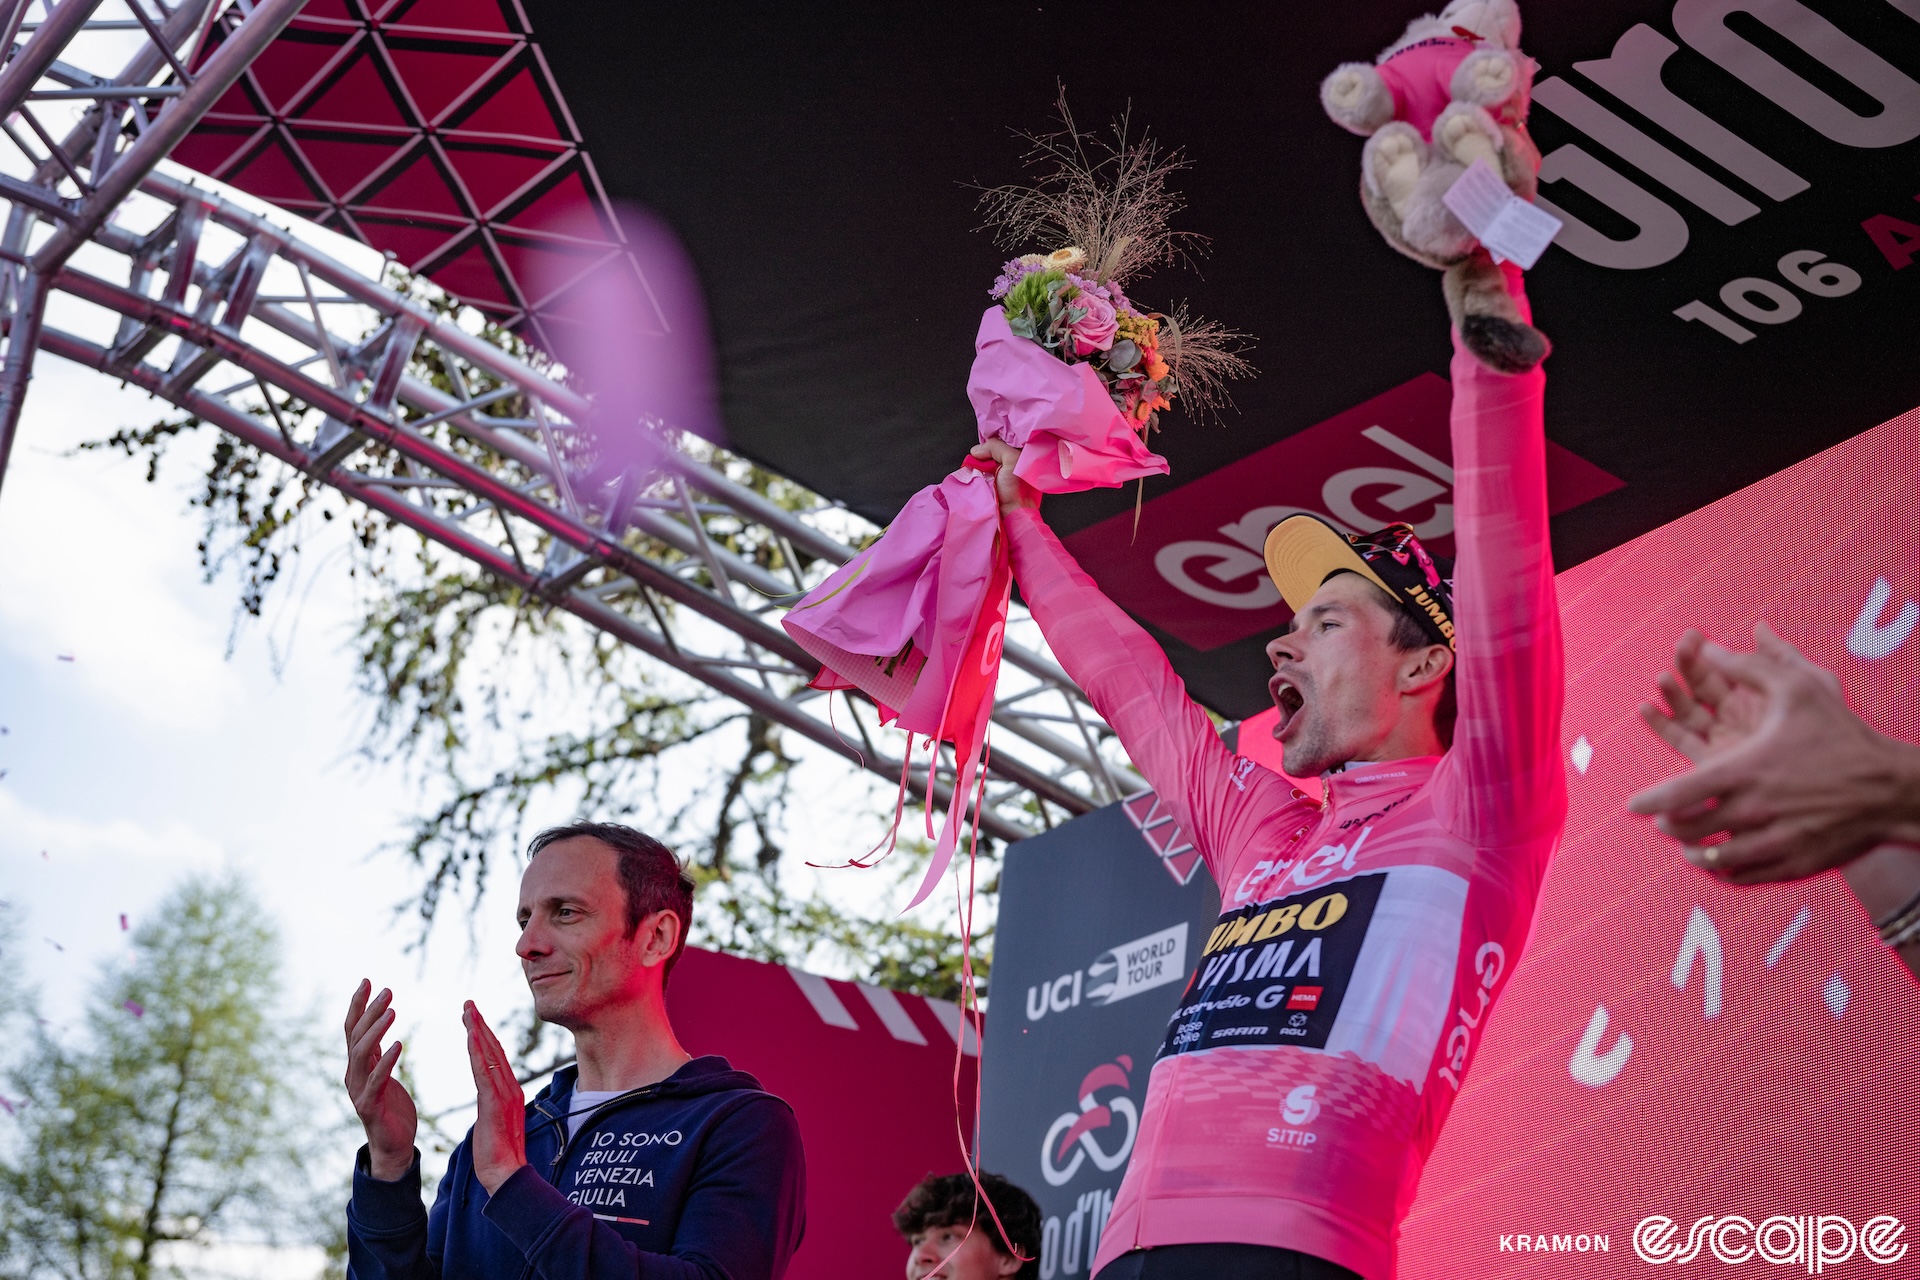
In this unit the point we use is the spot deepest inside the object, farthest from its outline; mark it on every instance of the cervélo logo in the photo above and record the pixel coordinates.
(1817, 1241)
(1387, 459)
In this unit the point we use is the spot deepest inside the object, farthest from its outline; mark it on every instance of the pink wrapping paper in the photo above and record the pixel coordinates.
(895, 620)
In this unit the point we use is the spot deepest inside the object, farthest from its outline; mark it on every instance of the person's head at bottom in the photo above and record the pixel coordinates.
(1365, 671)
(952, 1235)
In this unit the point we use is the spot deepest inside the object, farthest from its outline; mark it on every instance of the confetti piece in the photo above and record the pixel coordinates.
(135, 1008)
(123, 922)
(8, 1106)
(56, 946)
(64, 657)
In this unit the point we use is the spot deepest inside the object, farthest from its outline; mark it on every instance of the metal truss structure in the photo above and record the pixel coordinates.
(244, 325)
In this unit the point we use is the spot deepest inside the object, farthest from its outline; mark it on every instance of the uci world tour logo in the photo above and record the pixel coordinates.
(1075, 1130)
(1817, 1241)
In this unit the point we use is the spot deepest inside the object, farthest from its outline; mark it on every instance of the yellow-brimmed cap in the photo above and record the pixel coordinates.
(1303, 551)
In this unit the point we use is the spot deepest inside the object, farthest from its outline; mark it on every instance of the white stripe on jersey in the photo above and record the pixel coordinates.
(1396, 1003)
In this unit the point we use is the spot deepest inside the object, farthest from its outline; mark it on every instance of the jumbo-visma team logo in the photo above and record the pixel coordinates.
(1091, 1132)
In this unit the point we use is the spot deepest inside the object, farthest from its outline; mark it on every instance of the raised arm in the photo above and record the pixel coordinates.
(1506, 783)
(1131, 684)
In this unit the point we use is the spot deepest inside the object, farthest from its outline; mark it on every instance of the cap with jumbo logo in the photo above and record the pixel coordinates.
(1303, 551)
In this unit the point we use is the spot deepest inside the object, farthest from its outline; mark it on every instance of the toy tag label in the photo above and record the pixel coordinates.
(1509, 227)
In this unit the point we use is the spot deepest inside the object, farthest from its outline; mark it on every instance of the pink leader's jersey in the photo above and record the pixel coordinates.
(1310, 1063)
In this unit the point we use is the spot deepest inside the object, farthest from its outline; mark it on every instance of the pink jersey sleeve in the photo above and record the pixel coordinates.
(1218, 799)
(1502, 783)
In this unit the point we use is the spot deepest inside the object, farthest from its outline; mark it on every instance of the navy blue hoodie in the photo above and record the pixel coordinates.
(698, 1176)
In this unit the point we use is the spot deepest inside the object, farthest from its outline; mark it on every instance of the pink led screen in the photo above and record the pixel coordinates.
(1671, 1047)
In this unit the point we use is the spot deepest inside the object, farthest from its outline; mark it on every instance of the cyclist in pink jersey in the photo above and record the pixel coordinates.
(1311, 1062)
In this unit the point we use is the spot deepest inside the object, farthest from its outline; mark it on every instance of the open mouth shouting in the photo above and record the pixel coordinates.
(1288, 698)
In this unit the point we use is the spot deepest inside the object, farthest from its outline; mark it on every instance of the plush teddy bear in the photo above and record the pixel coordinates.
(1452, 90)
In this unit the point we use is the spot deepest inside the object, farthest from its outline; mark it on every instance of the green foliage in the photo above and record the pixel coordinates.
(454, 663)
(167, 1128)
(1032, 306)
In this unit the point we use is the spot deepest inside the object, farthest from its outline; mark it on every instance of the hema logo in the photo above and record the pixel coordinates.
(1816, 1240)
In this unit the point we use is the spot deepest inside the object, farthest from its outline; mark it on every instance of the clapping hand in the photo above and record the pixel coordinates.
(1788, 780)
(1708, 711)
(500, 1128)
(383, 1104)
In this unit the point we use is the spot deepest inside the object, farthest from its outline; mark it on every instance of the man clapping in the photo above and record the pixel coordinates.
(641, 1160)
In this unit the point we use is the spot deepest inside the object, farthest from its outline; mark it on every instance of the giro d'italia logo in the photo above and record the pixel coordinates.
(1082, 1131)
(1815, 1241)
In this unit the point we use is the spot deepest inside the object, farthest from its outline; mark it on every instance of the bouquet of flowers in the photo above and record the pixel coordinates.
(1110, 205)
(1047, 300)
(1070, 372)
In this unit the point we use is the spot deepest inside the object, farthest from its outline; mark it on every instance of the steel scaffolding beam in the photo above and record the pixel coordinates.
(241, 323)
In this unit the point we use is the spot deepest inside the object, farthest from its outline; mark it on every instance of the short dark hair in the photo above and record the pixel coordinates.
(654, 880)
(949, 1201)
(1410, 633)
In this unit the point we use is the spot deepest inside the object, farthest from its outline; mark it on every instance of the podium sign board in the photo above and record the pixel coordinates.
(1100, 925)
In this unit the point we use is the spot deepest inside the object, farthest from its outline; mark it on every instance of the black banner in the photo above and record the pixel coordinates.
(1098, 934)
(1733, 290)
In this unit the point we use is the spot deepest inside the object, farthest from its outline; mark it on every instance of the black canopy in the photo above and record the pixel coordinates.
(821, 163)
